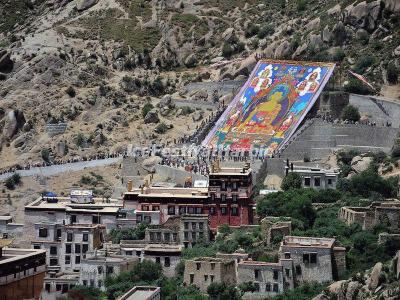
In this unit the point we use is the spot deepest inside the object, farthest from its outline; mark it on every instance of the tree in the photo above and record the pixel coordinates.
(137, 233)
(147, 271)
(222, 291)
(357, 87)
(351, 113)
(392, 73)
(12, 181)
(81, 292)
(291, 181)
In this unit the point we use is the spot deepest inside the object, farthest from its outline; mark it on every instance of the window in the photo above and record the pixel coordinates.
(190, 210)
(212, 266)
(174, 237)
(171, 210)
(73, 219)
(100, 269)
(138, 253)
(193, 236)
(167, 262)
(43, 232)
(234, 198)
(186, 225)
(191, 278)
(67, 248)
(212, 278)
(99, 284)
(287, 271)
(185, 236)
(138, 218)
(152, 238)
(58, 287)
(145, 208)
(92, 282)
(167, 237)
(36, 246)
(147, 219)
(67, 259)
(198, 266)
(110, 270)
(158, 260)
(307, 181)
(287, 255)
(201, 235)
(310, 258)
(223, 198)
(78, 259)
(256, 274)
(199, 210)
(276, 275)
(77, 248)
(223, 211)
(212, 197)
(329, 181)
(201, 226)
(158, 236)
(194, 226)
(47, 287)
(53, 261)
(64, 288)
(182, 210)
(212, 210)
(234, 211)
(53, 250)
(58, 233)
(96, 219)
(267, 287)
(205, 277)
(257, 287)
(317, 181)
(223, 186)
(313, 258)
(84, 282)
(298, 270)
(85, 237)
(69, 236)
(129, 253)
(276, 288)
(155, 208)
(85, 248)
(234, 186)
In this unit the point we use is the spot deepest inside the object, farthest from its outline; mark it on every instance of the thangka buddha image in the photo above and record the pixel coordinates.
(262, 79)
(266, 111)
(311, 83)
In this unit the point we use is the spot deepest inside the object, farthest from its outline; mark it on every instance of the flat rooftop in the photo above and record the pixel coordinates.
(64, 204)
(171, 192)
(15, 254)
(232, 171)
(314, 242)
(141, 293)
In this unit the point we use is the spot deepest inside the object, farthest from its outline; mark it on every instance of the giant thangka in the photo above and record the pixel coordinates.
(270, 106)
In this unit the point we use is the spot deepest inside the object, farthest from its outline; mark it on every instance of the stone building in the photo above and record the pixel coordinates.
(65, 211)
(226, 200)
(96, 267)
(21, 272)
(270, 279)
(167, 255)
(59, 284)
(272, 227)
(206, 270)
(316, 178)
(66, 245)
(387, 213)
(180, 230)
(8, 228)
(314, 259)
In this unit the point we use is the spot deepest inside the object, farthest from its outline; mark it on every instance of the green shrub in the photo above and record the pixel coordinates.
(146, 108)
(161, 128)
(363, 63)
(12, 181)
(227, 50)
(351, 113)
(338, 55)
(301, 5)
(291, 181)
(392, 73)
(45, 154)
(251, 30)
(265, 30)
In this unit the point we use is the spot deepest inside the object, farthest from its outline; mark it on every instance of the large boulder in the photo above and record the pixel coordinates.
(361, 163)
(191, 61)
(149, 164)
(283, 50)
(228, 35)
(166, 102)
(352, 289)
(392, 5)
(6, 64)
(198, 115)
(14, 120)
(338, 288)
(85, 4)
(151, 117)
(375, 277)
(364, 15)
(339, 34)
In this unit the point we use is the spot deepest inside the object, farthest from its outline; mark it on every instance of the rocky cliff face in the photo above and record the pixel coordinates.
(381, 282)
(95, 63)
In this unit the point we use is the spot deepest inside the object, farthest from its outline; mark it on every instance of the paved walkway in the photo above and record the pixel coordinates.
(57, 169)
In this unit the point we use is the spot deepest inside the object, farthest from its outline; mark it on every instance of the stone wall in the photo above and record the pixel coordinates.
(176, 175)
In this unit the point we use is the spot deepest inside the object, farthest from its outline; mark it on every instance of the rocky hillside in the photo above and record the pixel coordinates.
(102, 66)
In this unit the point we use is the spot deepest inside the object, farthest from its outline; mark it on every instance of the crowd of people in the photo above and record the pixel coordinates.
(75, 159)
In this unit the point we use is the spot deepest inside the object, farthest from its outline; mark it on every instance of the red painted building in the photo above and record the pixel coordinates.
(227, 200)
